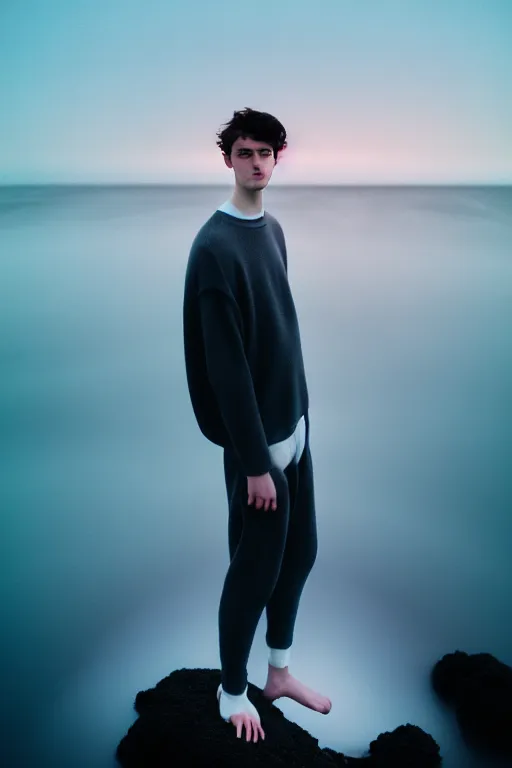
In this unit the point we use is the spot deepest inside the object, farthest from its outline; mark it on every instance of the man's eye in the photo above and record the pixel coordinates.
(248, 154)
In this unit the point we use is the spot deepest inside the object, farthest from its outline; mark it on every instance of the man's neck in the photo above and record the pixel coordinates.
(248, 207)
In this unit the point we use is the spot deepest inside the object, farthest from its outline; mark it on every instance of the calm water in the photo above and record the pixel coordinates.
(114, 540)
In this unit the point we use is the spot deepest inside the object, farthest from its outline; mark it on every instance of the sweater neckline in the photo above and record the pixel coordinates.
(237, 222)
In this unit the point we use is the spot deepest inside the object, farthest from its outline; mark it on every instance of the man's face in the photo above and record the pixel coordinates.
(249, 156)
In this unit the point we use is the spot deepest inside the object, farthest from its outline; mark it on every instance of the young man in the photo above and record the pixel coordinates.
(248, 390)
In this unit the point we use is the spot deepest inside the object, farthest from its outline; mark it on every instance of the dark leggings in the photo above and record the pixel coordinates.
(272, 554)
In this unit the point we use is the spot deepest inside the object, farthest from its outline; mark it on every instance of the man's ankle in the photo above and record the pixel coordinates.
(278, 657)
(277, 671)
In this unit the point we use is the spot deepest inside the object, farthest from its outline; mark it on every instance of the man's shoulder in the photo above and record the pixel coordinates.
(211, 258)
(203, 236)
(273, 222)
(210, 235)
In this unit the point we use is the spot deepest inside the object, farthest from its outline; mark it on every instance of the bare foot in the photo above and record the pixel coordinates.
(288, 686)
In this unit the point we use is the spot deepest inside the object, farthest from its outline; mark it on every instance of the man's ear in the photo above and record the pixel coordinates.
(228, 161)
(280, 153)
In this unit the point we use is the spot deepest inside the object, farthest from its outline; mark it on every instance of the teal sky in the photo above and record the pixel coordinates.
(369, 91)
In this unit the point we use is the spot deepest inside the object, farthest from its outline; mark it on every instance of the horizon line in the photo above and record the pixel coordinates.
(231, 185)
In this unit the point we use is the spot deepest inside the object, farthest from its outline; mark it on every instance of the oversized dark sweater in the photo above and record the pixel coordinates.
(243, 354)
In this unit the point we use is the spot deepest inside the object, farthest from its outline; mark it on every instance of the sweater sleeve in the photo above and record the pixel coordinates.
(231, 380)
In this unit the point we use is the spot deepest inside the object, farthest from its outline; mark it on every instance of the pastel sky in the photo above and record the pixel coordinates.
(369, 91)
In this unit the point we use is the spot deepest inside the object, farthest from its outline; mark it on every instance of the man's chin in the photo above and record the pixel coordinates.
(259, 183)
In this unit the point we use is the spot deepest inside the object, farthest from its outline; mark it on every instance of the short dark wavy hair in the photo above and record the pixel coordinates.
(250, 124)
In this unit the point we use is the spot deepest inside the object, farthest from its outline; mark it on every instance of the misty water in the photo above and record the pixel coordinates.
(114, 510)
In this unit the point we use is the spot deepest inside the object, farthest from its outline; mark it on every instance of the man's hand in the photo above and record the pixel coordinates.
(262, 490)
